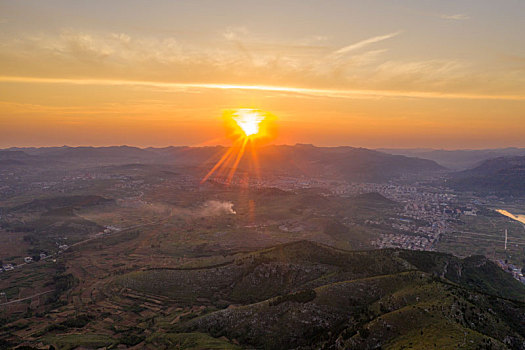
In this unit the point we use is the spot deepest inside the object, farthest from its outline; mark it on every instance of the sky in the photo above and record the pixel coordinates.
(397, 74)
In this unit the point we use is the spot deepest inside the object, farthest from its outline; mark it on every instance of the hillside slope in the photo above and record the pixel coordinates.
(499, 176)
(306, 295)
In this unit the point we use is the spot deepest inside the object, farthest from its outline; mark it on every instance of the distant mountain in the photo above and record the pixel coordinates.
(457, 159)
(352, 164)
(503, 176)
(17, 158)
(97, 154)
(117, 155)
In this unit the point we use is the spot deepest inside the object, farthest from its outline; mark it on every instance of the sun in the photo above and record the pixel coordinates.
(248, 128)
(248, 120)
(250, 125)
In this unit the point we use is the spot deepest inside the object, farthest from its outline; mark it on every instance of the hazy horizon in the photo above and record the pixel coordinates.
(271, 144)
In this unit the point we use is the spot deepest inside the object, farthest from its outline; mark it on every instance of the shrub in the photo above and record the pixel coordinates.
(131, 339)
(303, 296)
(77, 322)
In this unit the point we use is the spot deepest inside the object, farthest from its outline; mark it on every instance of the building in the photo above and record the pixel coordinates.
(8, 267)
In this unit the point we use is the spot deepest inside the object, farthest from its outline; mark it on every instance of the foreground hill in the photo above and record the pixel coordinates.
(300, 295)
(353, 164)
(500, 176)
(305, 295)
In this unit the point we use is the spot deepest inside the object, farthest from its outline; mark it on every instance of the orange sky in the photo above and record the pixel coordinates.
(435, 74)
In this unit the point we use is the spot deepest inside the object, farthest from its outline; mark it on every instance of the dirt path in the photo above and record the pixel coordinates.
(27, 298)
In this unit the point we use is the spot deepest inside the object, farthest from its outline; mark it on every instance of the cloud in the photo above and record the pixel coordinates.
(366, 57)
(74, 46)
(445, 75)
(330, 93)
(364, 43)
(119, 54)
(426, 68)
(234, 33)
(300, 67)
(84, 47)
(122, 37)
(457, 17)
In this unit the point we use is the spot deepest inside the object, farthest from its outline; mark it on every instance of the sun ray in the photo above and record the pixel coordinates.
(237, 160)
(223, 170)
(217, 165)
(244, 126)
(255, 161)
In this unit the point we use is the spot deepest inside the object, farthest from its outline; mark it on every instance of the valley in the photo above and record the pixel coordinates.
(144, 255)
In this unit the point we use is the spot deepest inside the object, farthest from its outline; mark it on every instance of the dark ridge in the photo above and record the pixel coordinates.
(79, 201)
(503, 176)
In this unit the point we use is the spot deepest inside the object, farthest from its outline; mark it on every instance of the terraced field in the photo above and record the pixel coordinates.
(300, 295)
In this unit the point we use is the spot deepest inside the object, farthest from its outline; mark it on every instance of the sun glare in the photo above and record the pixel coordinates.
(248, 128)
(248, 120)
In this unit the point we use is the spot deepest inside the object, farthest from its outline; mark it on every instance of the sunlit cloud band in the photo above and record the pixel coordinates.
(331, 93)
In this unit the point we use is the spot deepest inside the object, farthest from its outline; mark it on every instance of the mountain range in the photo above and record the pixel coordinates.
(503, 176)
(457, 159)
(353, 164)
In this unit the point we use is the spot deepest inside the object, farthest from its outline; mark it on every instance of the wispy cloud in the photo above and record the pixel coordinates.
(456, 17)
(243, 58)
(235, 33)
(364, 43)
(334, 93)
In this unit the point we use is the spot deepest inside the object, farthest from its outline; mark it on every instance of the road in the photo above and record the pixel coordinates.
(88, 240)
(27, 298)
(488, 237)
